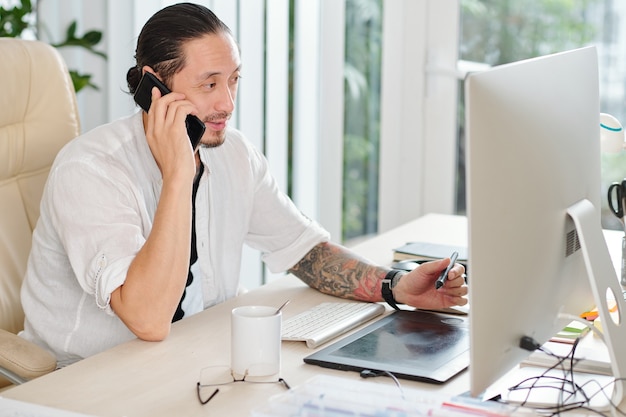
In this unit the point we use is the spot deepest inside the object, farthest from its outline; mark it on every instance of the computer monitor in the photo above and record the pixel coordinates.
(533, 206)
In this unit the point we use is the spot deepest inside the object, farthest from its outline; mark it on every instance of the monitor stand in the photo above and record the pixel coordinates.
(604, 282)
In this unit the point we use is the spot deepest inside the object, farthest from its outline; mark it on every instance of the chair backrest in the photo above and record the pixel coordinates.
(38, 115)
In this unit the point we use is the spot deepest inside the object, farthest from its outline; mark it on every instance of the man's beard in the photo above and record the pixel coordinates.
(216, 138)
(215, 141)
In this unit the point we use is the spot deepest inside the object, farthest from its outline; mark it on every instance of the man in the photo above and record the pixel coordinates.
(138, 230)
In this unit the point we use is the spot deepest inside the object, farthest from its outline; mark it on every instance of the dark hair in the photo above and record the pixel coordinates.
(160, 42)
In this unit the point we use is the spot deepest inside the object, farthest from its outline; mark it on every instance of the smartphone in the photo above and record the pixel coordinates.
(143, 97)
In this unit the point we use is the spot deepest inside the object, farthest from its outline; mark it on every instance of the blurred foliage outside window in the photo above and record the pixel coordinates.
(502, 31)
(493, 32)
(362, 74)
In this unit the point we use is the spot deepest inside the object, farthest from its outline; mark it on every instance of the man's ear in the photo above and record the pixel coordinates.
(147, 68)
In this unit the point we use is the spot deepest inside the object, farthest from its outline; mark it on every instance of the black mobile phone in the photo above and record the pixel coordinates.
(143, 97)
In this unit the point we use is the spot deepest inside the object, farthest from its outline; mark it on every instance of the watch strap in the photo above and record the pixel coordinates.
(388, 283)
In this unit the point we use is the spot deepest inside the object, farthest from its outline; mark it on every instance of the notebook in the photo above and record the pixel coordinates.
(427, 251)
(418, 345)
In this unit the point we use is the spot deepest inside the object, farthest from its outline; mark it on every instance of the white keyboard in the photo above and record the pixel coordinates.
(326, 321)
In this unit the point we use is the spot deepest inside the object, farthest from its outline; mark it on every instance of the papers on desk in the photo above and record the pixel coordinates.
(14, 408)
(329, 396)
(541, 381)
(593, 360)
(571, 332)
(547, 389)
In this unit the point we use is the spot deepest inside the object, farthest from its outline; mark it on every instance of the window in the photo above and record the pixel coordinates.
(416, 130)
(362, 72)
(399, 117)
(501, 31)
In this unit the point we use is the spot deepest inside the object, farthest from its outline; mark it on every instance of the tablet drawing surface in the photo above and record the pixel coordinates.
(416, 345)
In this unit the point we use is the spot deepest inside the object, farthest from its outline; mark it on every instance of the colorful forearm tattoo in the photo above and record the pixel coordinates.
(335, 270)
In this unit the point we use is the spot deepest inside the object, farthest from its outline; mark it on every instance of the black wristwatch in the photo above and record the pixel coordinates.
(391, 280)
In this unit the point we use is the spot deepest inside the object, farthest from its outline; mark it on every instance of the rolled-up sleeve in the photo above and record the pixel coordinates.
(102, 225)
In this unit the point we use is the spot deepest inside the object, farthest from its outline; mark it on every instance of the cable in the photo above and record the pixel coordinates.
(368, 373)
(568, 389)
(528, 343)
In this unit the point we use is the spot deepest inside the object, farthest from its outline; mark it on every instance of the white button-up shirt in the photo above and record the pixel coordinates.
(97, 211)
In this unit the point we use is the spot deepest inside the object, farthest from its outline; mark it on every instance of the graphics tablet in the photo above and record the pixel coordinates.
(418, 345)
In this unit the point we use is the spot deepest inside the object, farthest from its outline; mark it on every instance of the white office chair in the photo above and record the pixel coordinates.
(38, 115)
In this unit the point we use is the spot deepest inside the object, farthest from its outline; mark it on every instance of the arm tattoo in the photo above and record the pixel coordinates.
(335, 270)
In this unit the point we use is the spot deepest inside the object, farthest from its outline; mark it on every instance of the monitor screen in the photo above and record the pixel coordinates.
(533, 150)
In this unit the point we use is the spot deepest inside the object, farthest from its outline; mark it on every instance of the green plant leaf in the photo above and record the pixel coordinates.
(81, 81)
(13, 21)
(71, 31)
(87, 41)
(93, 37)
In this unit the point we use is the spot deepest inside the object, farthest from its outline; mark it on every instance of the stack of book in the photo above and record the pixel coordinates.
(426, 251)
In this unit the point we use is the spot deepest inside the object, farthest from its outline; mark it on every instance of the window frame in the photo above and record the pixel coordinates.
(418, 143)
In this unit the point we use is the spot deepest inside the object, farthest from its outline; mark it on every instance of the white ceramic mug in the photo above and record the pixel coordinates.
(255, 341)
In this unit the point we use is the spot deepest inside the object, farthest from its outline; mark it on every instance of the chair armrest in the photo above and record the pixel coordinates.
(21, 360)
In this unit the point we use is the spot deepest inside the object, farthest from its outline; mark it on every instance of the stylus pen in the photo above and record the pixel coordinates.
(444, 275)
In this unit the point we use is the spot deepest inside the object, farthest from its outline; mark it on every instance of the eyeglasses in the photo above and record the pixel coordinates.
(216, 376)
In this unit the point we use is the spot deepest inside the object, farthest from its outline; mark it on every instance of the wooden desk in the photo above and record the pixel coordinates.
(141, 378)
(159, 379)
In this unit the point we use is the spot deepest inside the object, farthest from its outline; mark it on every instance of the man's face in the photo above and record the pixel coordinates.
(209, 80)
